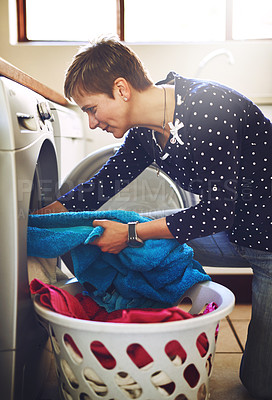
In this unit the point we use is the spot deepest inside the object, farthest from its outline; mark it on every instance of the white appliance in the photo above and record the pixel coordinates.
(29, 128)
(29, 180)
(69, 138)
(150, 193)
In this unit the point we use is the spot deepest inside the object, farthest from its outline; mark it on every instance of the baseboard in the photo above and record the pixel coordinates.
(240, 285)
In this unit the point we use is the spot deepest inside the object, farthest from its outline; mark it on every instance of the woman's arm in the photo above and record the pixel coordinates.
(155, 229)
(55, 207)
(123, 167)
(115, 235)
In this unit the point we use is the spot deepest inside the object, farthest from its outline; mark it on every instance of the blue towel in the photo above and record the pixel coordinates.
(155, 275)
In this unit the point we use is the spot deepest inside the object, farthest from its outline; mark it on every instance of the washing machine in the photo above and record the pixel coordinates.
(29, 180)
(151, 194)
(69, 138)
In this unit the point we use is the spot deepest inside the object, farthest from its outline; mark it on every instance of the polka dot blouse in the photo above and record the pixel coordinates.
(220, 148)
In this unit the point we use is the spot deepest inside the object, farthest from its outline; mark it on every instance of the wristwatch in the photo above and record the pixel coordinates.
(133, 239)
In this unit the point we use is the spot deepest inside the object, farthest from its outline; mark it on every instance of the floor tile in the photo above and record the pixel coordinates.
(241, 328)
(224, 382)
(241, 311)
(226, 342)
(51, 391)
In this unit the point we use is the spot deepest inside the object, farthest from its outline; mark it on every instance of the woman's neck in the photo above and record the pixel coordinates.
(154, 108)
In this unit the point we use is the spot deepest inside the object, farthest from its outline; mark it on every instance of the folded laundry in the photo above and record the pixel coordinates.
(155, 275)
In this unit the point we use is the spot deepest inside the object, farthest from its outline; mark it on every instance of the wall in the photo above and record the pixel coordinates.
(251, 73)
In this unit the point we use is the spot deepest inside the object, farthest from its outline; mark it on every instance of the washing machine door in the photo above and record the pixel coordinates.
(151, 194)
(29, 180)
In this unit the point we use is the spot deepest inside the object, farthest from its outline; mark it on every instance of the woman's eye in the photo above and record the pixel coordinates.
(91, 110)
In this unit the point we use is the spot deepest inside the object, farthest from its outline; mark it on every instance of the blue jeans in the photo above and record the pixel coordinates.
(217, 251)
(256, 365)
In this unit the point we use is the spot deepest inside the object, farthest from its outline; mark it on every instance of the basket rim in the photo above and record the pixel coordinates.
(214, 317)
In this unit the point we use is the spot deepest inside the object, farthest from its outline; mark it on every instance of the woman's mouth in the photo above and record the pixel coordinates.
(107, 128)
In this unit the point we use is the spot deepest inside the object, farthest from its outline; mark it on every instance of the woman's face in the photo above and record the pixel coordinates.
(109, 114)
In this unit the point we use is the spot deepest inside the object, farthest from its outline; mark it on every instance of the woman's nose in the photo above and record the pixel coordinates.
(93, 122)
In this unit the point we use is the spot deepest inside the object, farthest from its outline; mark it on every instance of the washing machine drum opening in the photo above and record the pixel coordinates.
(35, 198)
(147, 193)
(45, 181)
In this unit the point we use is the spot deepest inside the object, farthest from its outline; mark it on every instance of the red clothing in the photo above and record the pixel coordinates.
(83, 307)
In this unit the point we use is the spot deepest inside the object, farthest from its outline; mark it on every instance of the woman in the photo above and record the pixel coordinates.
(211, 141)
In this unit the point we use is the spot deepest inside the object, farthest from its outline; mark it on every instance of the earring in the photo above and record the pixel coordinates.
(125, 98)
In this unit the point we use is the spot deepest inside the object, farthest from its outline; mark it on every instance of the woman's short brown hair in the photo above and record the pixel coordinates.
(96, 66)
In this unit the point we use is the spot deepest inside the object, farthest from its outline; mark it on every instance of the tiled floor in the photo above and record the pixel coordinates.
(224, 382)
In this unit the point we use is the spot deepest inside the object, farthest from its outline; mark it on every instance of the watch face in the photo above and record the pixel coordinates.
(135, 243)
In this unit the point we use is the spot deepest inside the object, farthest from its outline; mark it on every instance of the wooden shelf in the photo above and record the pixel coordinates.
(10, 71)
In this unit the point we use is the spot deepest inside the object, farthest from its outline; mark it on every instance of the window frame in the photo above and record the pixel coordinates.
(21, 21)
(120, 15)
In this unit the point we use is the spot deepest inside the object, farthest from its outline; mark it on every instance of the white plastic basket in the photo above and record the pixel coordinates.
(82, 376)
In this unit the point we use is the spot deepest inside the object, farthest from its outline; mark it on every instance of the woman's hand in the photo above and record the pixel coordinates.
(114, 238)
(115, 235)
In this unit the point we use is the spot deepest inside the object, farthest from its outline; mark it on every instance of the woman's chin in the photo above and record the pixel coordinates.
(118, 134)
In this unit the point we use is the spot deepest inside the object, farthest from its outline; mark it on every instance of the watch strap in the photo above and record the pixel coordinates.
(132, 234)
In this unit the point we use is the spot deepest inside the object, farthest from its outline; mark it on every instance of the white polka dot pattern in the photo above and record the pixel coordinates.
(223, 153)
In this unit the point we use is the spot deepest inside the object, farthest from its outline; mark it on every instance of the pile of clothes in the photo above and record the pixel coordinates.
(155, 275)
(138, 285)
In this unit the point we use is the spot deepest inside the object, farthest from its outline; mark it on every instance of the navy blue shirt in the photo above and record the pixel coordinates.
(220, 148)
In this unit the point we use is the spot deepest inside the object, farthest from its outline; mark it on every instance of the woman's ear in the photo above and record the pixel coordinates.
(121, 88)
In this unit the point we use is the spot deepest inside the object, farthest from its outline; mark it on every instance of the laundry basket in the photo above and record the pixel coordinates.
(115, 361)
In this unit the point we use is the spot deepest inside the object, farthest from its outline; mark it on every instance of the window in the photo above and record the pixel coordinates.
(175, 20)
(252, 19)
(69, 20)
(144, 20)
